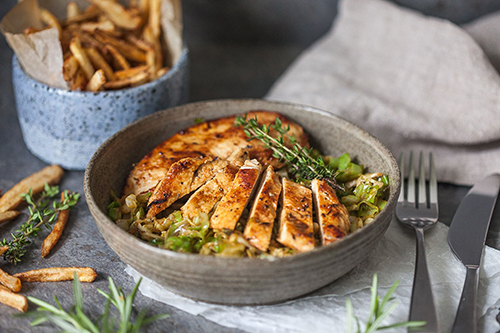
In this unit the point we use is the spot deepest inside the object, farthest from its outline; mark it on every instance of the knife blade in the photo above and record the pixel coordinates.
(466, 237)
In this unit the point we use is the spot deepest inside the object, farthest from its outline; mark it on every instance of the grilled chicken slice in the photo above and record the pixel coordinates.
(333, 217)
(215, 138)
(175, 185)
(230, 208)
(207, 171)
(260, 223)
(205, 198)
(296, 218)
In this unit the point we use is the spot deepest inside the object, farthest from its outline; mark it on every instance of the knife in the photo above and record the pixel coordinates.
(466, 237)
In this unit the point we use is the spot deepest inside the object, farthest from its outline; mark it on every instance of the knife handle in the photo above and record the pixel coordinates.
(422, 302)
(466, 320)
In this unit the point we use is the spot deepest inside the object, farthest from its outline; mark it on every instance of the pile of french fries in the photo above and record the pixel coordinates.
(10, 285)
(108, 46)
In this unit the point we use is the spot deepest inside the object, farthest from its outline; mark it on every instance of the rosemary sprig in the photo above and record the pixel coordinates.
(75, 320)
(302, 164)
(43, 212)
(379, 311)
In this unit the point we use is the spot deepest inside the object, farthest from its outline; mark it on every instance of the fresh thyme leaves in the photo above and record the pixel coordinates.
(43, 212)
(75, 320)
(379, 311)
(300, 159)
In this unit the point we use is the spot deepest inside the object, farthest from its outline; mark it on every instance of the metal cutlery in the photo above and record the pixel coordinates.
(420, 214)
(466, 237)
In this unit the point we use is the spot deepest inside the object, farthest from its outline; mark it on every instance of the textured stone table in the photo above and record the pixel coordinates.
(241, 62)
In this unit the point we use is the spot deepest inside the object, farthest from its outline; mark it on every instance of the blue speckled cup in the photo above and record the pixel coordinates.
(66, 127)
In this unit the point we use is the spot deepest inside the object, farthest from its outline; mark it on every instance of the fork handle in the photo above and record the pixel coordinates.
(466, 319)
(422, 302)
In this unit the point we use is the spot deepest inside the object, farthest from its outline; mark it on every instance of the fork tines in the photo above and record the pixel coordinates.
(424, 201)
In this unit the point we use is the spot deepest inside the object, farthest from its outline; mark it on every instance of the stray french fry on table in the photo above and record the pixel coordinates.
(8, 215)
(16, 301)
(9, 281)
(51, 240)
(54, 274)
(12, 198)
(3, 249)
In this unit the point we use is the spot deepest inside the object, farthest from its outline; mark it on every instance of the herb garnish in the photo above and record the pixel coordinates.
(75, 320)
(300, 159)
(379, 310)
(43, 212)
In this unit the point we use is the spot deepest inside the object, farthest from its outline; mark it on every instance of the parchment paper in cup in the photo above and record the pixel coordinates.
(40, 54)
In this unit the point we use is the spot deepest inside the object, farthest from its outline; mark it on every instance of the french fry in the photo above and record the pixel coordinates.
(33, 30)
(89, 14)
(9, 281)
(92, 26)
(100, 63)
(144, 9)
(51, 240)
(12, 198)
(126, 73)
(72, 10)
(141, 44)
(121, 17)
(130, 52)
(70, 66)
(76, 48)
(158, 55)
(8, 215)
(96, 81)
(3, 249)
(154, 17)
(162, 71)
(79, 81)
(127, 81)
(91, 41)
(16, 301)
(54, 274)
(49, 19)
(120, 59)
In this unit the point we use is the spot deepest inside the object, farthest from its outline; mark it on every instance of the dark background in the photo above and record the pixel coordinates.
(238, 48)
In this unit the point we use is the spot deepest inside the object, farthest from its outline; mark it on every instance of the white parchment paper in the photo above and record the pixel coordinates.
(324, 310)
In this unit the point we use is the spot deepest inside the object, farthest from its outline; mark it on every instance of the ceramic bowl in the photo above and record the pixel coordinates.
(236, 281)
(66, 127)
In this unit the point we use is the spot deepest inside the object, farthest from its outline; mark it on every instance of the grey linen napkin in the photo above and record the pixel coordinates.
(415, 82)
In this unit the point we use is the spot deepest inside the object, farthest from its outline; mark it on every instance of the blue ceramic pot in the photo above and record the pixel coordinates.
(66, 127)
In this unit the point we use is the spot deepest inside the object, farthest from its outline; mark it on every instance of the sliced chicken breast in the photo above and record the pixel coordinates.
(333, 217)
(296, 218)
(215, 138)
(175, 185)
(259, 228)
(207, 171)
(230, 208)
(205, 198)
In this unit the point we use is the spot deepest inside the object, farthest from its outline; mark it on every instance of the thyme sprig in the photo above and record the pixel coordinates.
(380, 309)
(43, 212)
(75, 320)
(300, 160)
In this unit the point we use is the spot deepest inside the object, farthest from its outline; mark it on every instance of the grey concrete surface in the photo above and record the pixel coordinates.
(226, 61)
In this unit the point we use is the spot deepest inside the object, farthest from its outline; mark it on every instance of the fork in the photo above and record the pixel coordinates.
(420, 215)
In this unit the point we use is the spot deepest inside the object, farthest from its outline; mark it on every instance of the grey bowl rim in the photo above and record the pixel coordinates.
(141, 245)
(84, 94)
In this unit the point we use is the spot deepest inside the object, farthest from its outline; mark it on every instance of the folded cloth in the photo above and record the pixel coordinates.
(324, 310)
(415, 82)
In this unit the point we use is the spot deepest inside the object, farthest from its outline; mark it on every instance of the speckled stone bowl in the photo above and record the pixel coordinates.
(66, 127)
(236, 281)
